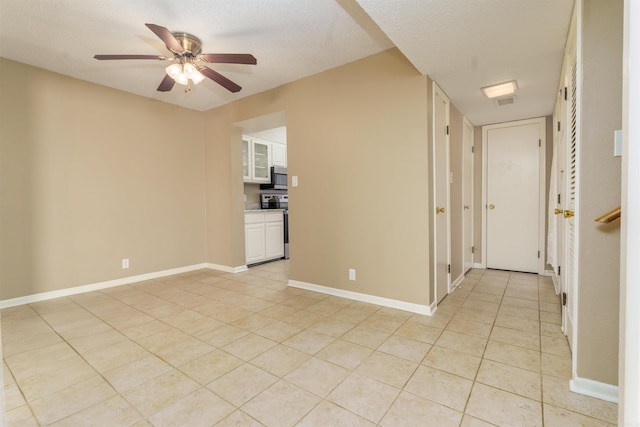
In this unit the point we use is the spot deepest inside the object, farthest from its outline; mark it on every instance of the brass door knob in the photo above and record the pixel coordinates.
(466, 206)
(568, 214)
(558, 211)
(439, 210)
(491, 206)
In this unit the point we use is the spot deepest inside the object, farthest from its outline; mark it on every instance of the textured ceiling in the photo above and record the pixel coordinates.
(461, 44)
(464, 45)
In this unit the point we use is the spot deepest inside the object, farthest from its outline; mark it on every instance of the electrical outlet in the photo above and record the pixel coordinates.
(352, 274)
(125, 263)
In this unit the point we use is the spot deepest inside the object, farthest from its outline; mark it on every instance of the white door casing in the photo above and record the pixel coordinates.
(467, 195)
(441, 179)
(513, 218)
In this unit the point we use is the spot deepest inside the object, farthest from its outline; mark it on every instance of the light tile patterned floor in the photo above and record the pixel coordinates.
(208, 348)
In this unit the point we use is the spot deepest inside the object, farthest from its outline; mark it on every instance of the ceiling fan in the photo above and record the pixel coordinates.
(186, 49)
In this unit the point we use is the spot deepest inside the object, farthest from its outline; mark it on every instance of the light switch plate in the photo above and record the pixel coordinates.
(294, 181)
(617, 143)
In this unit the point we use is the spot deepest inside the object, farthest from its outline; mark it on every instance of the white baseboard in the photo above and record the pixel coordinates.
(372, 299)
(433, 308)
(549, 273)
(226, 269)
(595, 389)
(28, 299)
(478, 265)
(457, 282)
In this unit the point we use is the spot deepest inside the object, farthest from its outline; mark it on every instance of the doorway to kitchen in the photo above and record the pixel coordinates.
(265, 190)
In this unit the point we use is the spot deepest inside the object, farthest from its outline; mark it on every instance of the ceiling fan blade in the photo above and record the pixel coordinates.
(229, 58)
(165, 35)
(158, 57)
(166, 84)
(219, 78)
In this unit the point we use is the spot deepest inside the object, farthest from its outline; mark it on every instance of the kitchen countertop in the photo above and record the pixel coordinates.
(262, 210)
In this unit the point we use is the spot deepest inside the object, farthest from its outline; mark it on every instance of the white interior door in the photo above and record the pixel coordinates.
(571, 192)
(512, 195)
(441, 193)
(467, 195)
(560, 151)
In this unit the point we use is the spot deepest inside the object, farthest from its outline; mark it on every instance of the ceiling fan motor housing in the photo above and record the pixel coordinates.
(191, 44)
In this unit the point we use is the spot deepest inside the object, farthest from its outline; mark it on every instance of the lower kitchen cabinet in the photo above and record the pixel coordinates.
(263, 236)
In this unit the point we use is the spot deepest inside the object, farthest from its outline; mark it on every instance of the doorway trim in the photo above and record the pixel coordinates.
(541, 182)
(472, 198)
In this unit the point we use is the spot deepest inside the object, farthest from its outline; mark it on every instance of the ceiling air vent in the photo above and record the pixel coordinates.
(500, 102)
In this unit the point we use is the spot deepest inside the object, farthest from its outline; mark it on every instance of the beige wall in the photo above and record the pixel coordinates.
(357, 139)
(599, 245)
(89, 176)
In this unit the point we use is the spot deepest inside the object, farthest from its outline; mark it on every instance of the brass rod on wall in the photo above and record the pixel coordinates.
(610, 216)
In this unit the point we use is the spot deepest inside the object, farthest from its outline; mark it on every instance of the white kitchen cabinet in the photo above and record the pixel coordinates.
(274, 239)
(278, 154)
(254, 243)
(263, 236)
(246, 156)
(256, 160)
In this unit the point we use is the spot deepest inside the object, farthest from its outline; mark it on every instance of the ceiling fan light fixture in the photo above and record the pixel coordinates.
(501, 89)
(187, 49)
(182, 73)
(192, 73)
(174, 71)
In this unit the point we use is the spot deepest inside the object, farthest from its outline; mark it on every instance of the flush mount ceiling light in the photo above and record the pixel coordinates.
(502, 89)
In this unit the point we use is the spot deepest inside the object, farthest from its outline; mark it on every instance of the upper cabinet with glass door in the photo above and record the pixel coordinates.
(256, 160)
(246, 155)
(261, 161)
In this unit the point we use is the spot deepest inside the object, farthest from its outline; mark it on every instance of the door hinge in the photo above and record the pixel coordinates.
(473, 249)
(564, 298)
(449, 268)
(559, 198)
(473, 149)
(558, 126)
(559, 270)
(538, 254)
(566, 96)
(447, 129)
(539, 143)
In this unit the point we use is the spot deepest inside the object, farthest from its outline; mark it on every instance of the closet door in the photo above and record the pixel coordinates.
(571, 195)
(514, 158)
(441, 192)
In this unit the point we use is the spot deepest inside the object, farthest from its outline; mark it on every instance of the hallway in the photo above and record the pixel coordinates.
(210, 348)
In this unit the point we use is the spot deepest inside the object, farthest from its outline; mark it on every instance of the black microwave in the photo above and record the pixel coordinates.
(278, 179)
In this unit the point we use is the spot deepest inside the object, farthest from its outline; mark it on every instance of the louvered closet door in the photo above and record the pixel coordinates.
(571, 193)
